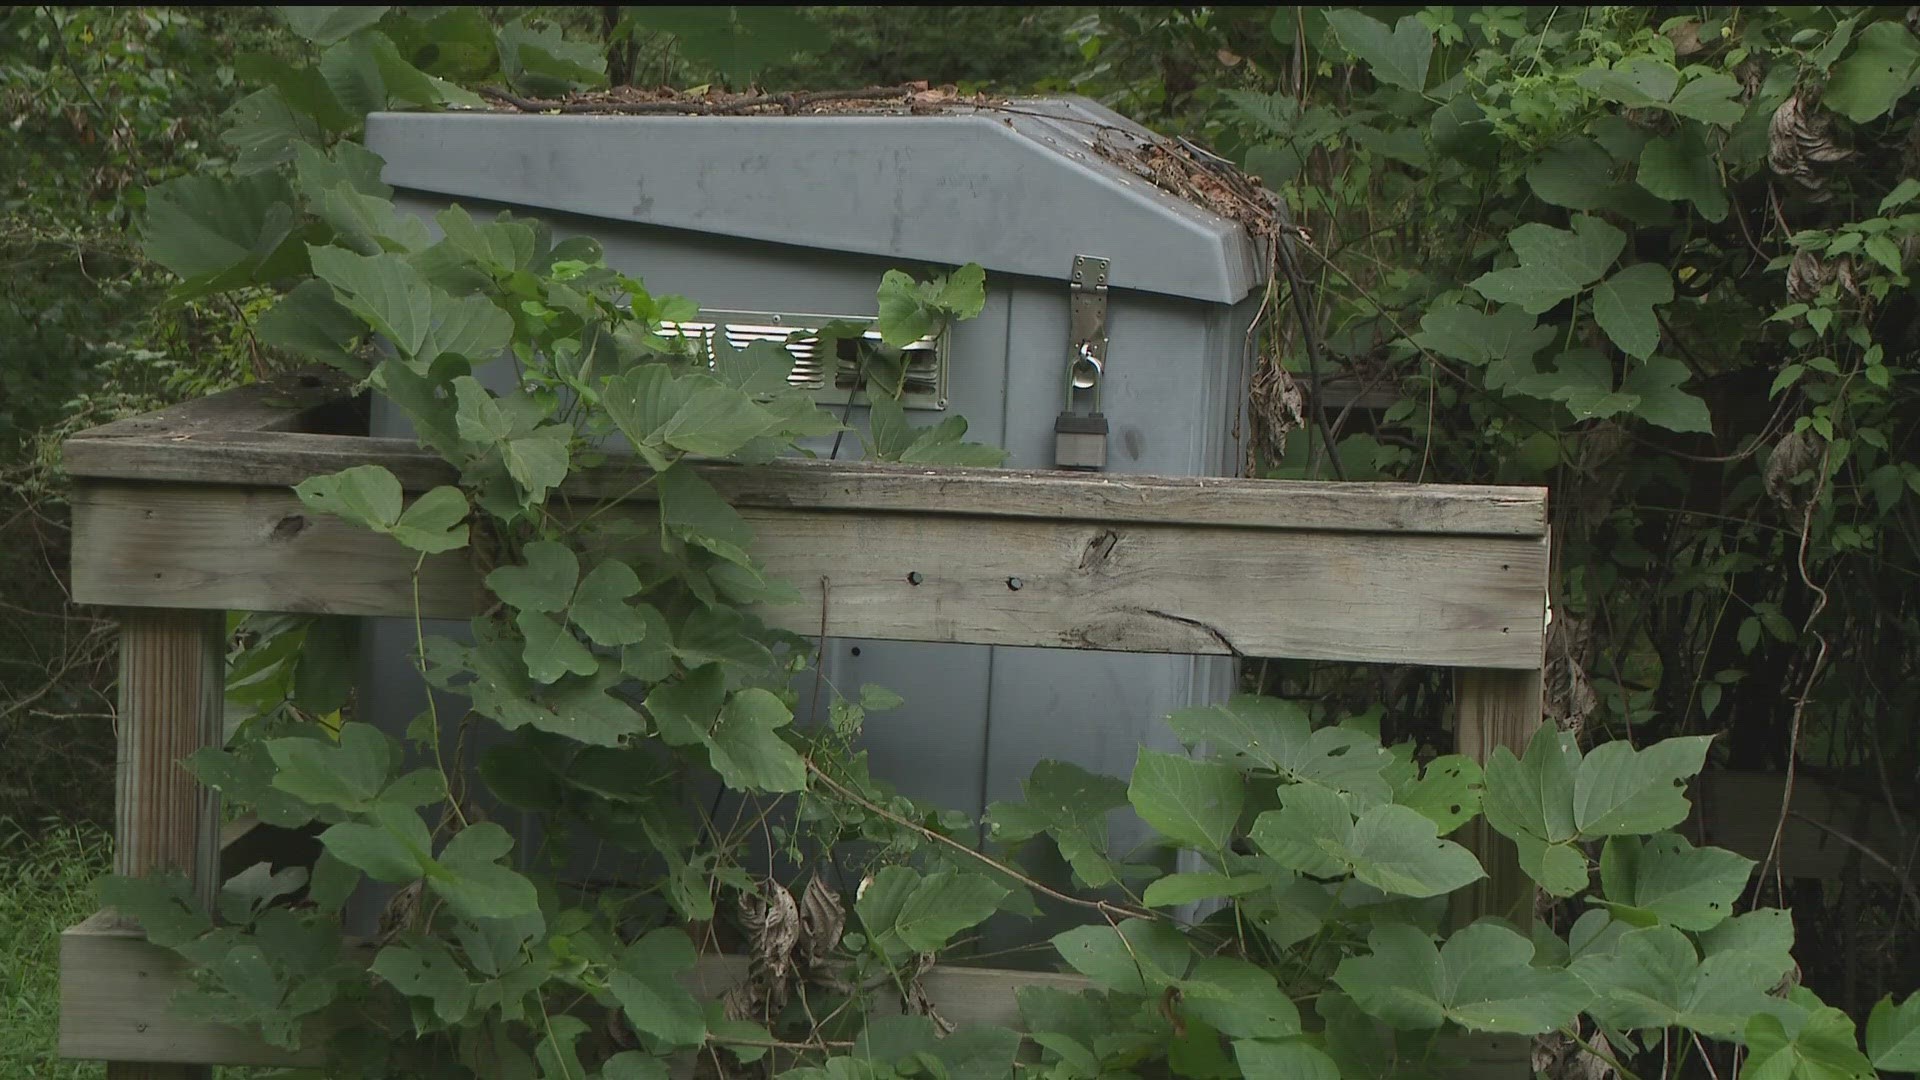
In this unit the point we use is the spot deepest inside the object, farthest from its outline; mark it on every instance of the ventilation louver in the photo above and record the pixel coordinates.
(926, 378)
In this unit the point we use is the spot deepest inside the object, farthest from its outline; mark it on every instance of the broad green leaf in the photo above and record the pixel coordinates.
(1638, 82)
(544, 582)
(348, 774)
(326, 25)
(1274, 735)
(745, 749)
(906, 914)
(1071, 805)
(1555, 264)
(1691, 888)
(600, 607)
(1621, 790)
(1295, 1059)
(427, 970)
(1483, 979)
(716, 420)
(1765, 935)
(1893, 1035)
(647, 986)
(1177, 889)
(351, 68)
(1711, 98)
(1533, 795)
(397, 301)
(1399, 57)
(634, 1065)
(433, 523)
(1653, 978)
(367, 495)
(324, 674)
(963, 293)
(1194, 802)
(1447, 792)
(394, 849)
(472, 882)
(1823, 1047)
(1680, 167)
(691, 507)
(1623, 306)
(309, 323)
(368, 223)
(542, 61)
(1238, 999)
(1396, 850)
(686, 708)
(904, 314)
(1307, 833)
(551, 650)
(1574, 174)
(164, 903)
(1139, 957)
(1875, 75)
(208, 229)
(1656, 382)
(265, 131)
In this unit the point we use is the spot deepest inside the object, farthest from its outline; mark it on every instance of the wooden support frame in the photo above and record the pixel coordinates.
(189, 510)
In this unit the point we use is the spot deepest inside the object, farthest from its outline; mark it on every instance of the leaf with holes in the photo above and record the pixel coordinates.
(434, 523)
(1668, 879)
(1893, 1035)
(367, 495)
(1447, 792)
(425, 969)
(550, 649)
(1875, 75)
(1137, 957)
(1821, 1046)
(1653, 978)
(1070, 805)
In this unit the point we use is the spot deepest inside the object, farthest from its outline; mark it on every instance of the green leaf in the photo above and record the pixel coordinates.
(348, 774)
(1274, 735)
(1574, 174)
(1555, 264)
(1623, 306)
(217, 233)
(905, 317)
(716, 420)
(647, 986)
(905, 914)
(351, 68)
(634, 1065)
(1447, 792)
(1621, 790)
(550, 650)
(421, 321)
(1656, 382)
(1177, 889)
(1824, 1047)
(1483, 979)
(691, 507)
(1139, 957)
(1295, 1059)
(1653, 978)
(1875, 75)
(1680, 167)
(745, 750)
(1398, 58)
(545, 582)
(1194, 802)
(309, 323)
(600, 608)
(1070, 805)
(328, 665)
(1395, 849)
(1711, 98)
(1308, 833)
(326, 25)
(542, 61)
(1469, 335)
(433, 523)
(392, 850)
(427, 970)
(1638, 82)
(963, 293)
(1691, 888)
(1893, 1035)
(1238, 999)
(472, 882)
(266, 132)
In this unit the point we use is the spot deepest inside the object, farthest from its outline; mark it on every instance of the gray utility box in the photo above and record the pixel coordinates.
(773, 223)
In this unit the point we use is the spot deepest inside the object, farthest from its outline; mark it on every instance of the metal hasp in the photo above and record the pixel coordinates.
(1080, 439)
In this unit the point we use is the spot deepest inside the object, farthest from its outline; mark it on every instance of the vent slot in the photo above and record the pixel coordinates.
(926, 375)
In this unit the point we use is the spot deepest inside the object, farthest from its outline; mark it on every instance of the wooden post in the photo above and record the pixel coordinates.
(172, 693)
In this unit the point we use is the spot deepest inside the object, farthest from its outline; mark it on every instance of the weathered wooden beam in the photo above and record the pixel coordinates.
(172, 692)
(286, 458)
(115, 988)
(1202, 589)
(298, 401)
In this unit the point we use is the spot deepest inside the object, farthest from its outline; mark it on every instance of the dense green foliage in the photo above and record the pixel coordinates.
(1654, 258)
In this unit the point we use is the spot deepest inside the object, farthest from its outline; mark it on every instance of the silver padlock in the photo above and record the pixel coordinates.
(1080, 439)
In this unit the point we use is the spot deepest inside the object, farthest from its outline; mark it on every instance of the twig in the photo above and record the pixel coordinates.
(1101, 906)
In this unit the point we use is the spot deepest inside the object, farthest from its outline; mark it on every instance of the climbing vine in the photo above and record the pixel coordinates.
(626, 692)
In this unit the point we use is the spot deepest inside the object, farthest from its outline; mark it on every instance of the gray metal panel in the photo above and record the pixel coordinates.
(1013, 191)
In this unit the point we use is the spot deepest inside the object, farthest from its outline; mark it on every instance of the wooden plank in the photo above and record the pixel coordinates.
(1495, 708)
(292, 402)
(1830, 832)
(277, 458)
(115, 989)
(1473, 601)
(172, 688)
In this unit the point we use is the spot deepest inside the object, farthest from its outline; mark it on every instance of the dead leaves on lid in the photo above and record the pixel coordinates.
(788, 941)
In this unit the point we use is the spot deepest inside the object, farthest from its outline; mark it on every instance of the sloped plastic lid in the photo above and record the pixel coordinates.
(1018, 189)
